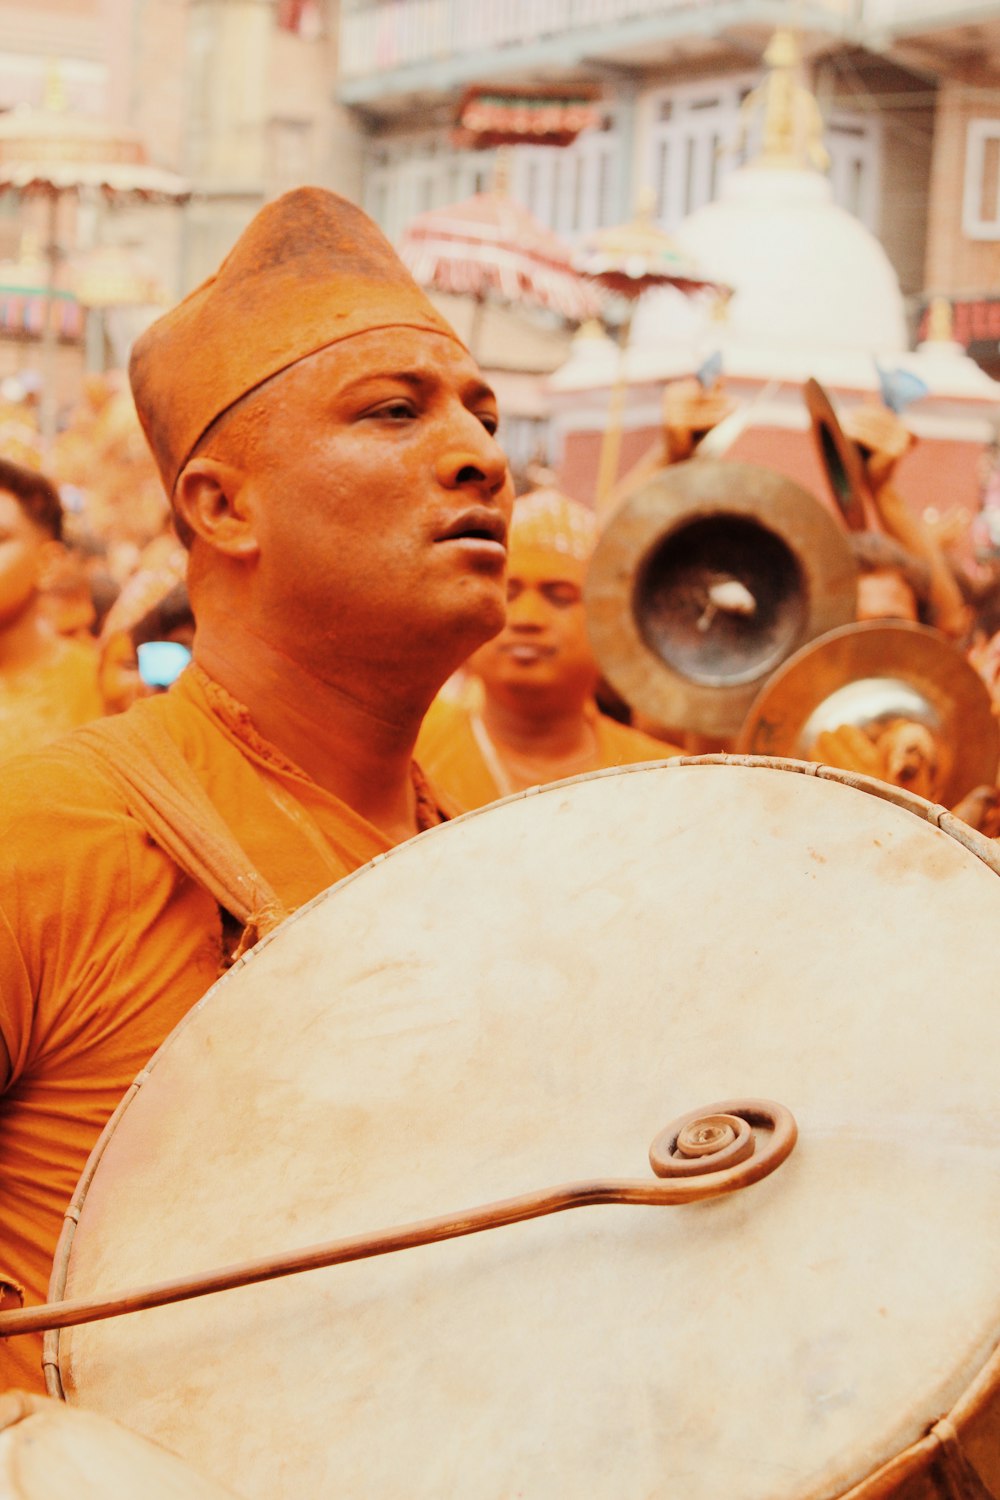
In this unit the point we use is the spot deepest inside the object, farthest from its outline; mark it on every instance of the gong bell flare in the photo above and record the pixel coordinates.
(705, 580)
(873, 676)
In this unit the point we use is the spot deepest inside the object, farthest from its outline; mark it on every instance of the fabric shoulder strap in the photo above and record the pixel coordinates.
(166, 797)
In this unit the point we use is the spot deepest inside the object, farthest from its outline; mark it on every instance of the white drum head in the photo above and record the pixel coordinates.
(50, 1452)
(527, 997)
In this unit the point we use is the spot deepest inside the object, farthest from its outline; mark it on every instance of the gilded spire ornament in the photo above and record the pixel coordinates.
(792, 125)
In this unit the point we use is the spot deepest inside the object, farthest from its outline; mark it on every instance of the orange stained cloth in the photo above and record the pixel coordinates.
(47, 700)
(450, 754)
(310, 270)
(105, 944)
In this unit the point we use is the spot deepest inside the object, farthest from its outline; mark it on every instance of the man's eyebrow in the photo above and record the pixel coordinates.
(418, 379)
(478, 390)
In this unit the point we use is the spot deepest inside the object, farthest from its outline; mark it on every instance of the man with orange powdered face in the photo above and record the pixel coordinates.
(537, 720)
(328, 446)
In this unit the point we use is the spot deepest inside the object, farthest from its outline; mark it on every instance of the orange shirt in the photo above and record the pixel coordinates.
(451, 752)
(105, 944)
(47, 700)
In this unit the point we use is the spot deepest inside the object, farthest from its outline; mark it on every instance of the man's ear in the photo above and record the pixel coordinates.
(214, 501)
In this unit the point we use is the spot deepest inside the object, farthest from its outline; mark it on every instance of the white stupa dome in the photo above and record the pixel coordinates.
(813, 291)
(806, 274)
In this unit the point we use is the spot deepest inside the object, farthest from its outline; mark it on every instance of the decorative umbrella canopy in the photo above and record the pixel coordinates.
(51, 151)
(489, 244)
(491, 115)
(628, 260)
(632, 258)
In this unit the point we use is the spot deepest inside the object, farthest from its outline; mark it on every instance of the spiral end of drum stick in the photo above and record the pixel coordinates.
(721, 1139)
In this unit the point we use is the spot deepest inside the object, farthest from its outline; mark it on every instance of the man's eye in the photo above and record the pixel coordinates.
(562, 595)
(394, 411)
(490, 422)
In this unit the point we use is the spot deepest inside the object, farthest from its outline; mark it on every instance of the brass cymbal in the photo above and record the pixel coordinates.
(869, 675)
(704, 580)
(841, 461)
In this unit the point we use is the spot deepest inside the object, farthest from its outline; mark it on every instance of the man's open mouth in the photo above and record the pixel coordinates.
(478, 525)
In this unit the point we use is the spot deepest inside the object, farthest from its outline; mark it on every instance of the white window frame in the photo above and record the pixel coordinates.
(406, 174)
(703, 123)
(855, 143)
(561, 185)
(415, 174)
(979, 134)
(701, 132)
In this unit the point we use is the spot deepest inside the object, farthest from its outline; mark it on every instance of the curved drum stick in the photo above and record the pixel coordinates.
(702, 1155)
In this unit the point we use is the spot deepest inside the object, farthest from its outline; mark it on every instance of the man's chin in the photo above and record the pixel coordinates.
(485, 612)
(471, 622)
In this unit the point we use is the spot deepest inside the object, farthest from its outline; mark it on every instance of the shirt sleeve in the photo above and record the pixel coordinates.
(64, 900)
(16, 1003)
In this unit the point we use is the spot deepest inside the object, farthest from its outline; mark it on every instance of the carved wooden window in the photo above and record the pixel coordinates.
(981, 189)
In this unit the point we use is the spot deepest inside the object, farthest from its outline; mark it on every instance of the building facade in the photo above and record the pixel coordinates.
(910, 91)
(234, 95)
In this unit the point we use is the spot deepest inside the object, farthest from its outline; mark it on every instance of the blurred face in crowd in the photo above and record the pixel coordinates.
(120, 675)
(884, 594)
(67, 603)
(27, 554)
(541, 662)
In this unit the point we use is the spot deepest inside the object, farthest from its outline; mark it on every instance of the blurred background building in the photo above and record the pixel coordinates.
(237, 97)
(244, 98)
(910, 91)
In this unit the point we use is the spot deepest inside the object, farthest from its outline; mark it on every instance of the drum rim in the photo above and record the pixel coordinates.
(928, 812)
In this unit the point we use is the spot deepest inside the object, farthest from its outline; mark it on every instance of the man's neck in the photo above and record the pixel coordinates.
(542, 732)
(26, 642)
(361, 753)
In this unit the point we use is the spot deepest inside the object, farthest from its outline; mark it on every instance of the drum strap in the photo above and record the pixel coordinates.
(166, 797)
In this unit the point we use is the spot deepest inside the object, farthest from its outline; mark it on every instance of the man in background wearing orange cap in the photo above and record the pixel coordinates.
(537, 720)
(328, 446)
(47, 685)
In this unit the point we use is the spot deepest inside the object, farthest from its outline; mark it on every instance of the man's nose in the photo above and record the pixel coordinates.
(479, 463)
(526, 612)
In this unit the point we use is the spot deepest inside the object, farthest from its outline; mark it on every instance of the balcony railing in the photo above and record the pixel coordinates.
(910, 15)
(391, 34)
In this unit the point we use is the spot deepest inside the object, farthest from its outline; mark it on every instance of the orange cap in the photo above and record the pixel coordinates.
(548, 521)
(310, 270)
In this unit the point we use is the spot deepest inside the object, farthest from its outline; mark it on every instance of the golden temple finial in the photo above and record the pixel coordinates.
(792, 128)
(940, 322)
(645, 203)
(54, 100)
(719, 311)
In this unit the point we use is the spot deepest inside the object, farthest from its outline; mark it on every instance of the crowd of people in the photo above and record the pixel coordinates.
(89, 549)
(385, 637)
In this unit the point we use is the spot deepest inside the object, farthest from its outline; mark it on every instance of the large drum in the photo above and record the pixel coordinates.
(526, 997)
